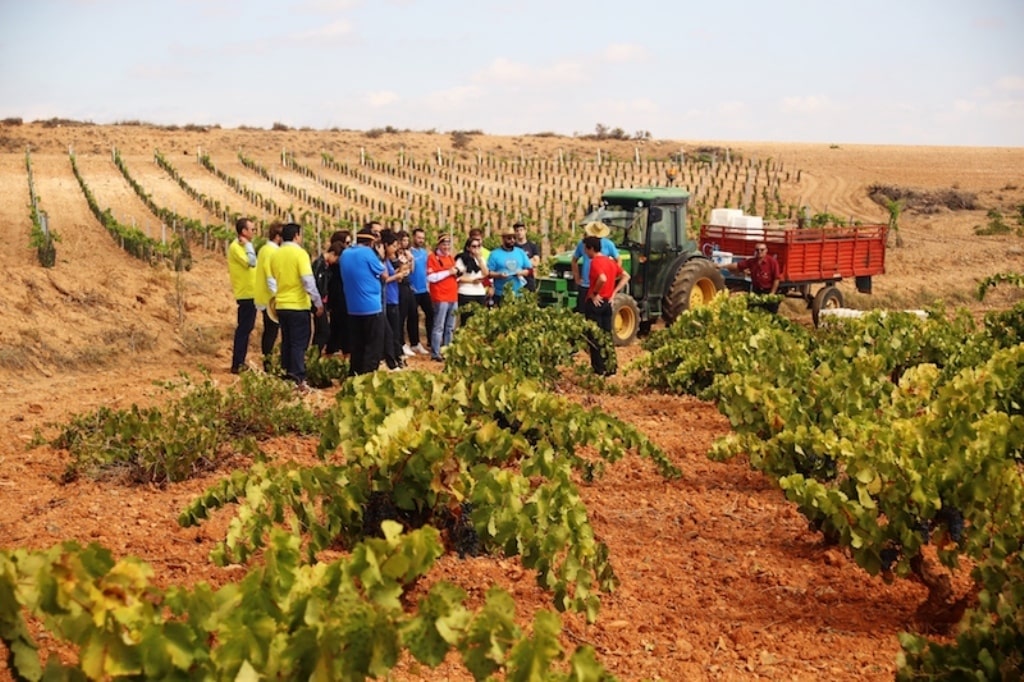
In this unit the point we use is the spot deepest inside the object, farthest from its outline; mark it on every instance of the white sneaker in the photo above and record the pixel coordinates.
(408, 352)
(421, 350)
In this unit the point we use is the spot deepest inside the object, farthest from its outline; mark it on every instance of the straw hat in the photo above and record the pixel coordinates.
(596, 229)
(272, 310)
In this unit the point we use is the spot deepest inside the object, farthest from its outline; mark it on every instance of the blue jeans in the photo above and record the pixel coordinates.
(444, 327)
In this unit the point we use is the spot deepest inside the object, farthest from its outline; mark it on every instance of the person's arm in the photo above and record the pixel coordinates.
(775, 276)
(623, 281)
(439, 275)
(575, 265)
(309, 284)
(595, 288)
(526, 264)
(250, 253)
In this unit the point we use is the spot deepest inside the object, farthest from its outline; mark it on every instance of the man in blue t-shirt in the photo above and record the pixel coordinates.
(581, 262)
(508, 267)
(418, 282)
(362, 273)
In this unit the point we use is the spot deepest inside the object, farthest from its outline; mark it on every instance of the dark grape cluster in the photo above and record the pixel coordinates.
(379, 507)
(818, 467)
(924, 529)
(889, 556)
(953, 519)
(462, 536)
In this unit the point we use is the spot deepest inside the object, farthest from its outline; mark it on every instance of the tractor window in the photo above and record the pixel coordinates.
(636, 231)
(628, 223)
(661, 230)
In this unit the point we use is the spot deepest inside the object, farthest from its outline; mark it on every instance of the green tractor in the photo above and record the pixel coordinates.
(668, 274)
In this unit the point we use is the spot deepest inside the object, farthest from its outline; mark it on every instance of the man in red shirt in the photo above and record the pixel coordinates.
(607, 278)
(764, 273)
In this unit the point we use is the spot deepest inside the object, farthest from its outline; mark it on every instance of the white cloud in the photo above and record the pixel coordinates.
(504, 71)
(150, 73)
(331, 32)
(809, 104)
(380, 98)
(731, 107)
(327, 6)
(1011, 83)
(622, 52)
(453, 99)
(964, 106)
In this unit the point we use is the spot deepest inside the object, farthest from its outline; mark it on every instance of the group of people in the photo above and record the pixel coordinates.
(365, 295)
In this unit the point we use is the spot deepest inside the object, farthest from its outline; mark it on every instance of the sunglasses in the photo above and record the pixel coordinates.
(474, 245)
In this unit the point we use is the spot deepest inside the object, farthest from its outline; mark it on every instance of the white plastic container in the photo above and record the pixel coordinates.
(723, 217)
(721, 258)
(751, 225)
(748, 222)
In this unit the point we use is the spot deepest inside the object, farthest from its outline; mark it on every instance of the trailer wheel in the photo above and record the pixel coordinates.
(828, 297)
(695, 284)
(625, 319)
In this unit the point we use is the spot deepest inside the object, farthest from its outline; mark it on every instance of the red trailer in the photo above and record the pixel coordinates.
(806, 256)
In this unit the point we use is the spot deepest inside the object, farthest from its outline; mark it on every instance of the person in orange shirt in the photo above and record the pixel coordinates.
(442, 278)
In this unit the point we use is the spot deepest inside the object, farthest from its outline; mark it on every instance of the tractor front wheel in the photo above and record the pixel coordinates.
(625, 319)
(695, 284)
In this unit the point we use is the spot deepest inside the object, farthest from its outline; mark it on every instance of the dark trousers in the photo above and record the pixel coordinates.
(268, 339)
(581, 298)
(408, 320)
(321, 331)
(246, 323)
(339, 339)
(601, 315)
(367, 342)
(295, 333)
(393, 336)
(466, 310)
(424, 303)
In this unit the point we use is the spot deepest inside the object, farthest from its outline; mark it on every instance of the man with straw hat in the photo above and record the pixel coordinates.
(581, 261)
(508, 267)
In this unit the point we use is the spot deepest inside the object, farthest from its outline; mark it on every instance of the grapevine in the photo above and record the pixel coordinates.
(416, 448)
(341, 620)
(890, 433)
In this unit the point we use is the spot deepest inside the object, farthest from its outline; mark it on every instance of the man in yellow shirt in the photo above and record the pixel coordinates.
(241, 266)
(265, 287)
(296, 294)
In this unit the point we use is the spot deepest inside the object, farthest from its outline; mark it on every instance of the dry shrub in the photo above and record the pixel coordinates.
(924, 201)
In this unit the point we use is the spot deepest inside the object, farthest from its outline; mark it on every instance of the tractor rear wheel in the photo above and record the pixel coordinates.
(625, 319)
(695, 284)
(829, 297)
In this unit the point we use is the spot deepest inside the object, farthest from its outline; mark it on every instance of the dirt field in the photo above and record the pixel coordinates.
(720, 577)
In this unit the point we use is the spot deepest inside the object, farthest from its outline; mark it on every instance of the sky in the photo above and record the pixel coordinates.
(909, 72)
